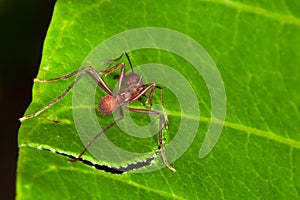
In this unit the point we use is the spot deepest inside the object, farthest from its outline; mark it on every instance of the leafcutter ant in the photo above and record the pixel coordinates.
(134, 90)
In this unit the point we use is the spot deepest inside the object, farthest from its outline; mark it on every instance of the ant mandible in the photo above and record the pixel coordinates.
(134, 90)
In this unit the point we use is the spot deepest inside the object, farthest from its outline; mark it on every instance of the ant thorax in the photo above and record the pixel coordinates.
(133, 87)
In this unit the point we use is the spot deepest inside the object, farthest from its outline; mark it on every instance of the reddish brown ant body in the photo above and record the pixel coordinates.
(134, 90)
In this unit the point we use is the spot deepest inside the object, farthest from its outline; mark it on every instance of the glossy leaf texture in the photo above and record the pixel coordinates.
(255, 45)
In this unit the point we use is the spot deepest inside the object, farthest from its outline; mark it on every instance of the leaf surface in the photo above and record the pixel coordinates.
(255, 45)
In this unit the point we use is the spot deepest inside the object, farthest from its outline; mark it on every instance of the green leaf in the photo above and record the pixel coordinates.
(255, 45)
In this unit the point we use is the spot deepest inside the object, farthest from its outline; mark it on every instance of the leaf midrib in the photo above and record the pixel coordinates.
(240, 127)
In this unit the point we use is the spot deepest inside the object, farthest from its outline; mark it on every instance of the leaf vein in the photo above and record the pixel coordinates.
(259, 11)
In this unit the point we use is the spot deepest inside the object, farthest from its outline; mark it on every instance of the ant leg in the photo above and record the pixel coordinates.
(163, 107)
(109, 61)
(98, 135)
(162, 102)
(161, 146)
(90, 71)
(118, 58)
(62, 77)
(146, 89)
(53, 102)
(152, 87)
(122, 65)
(113, 68)
(160, 143)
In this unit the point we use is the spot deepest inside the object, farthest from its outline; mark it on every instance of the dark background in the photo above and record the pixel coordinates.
(23, 29)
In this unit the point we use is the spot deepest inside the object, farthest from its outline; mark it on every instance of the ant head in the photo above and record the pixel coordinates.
(107, 105)
(133, 79)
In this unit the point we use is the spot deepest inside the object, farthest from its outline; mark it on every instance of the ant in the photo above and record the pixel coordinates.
(134, 90)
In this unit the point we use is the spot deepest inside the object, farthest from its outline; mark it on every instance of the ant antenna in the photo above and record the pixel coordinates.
(126, 54)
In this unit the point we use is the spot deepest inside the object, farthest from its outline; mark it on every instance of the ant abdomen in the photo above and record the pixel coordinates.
(107, 105)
